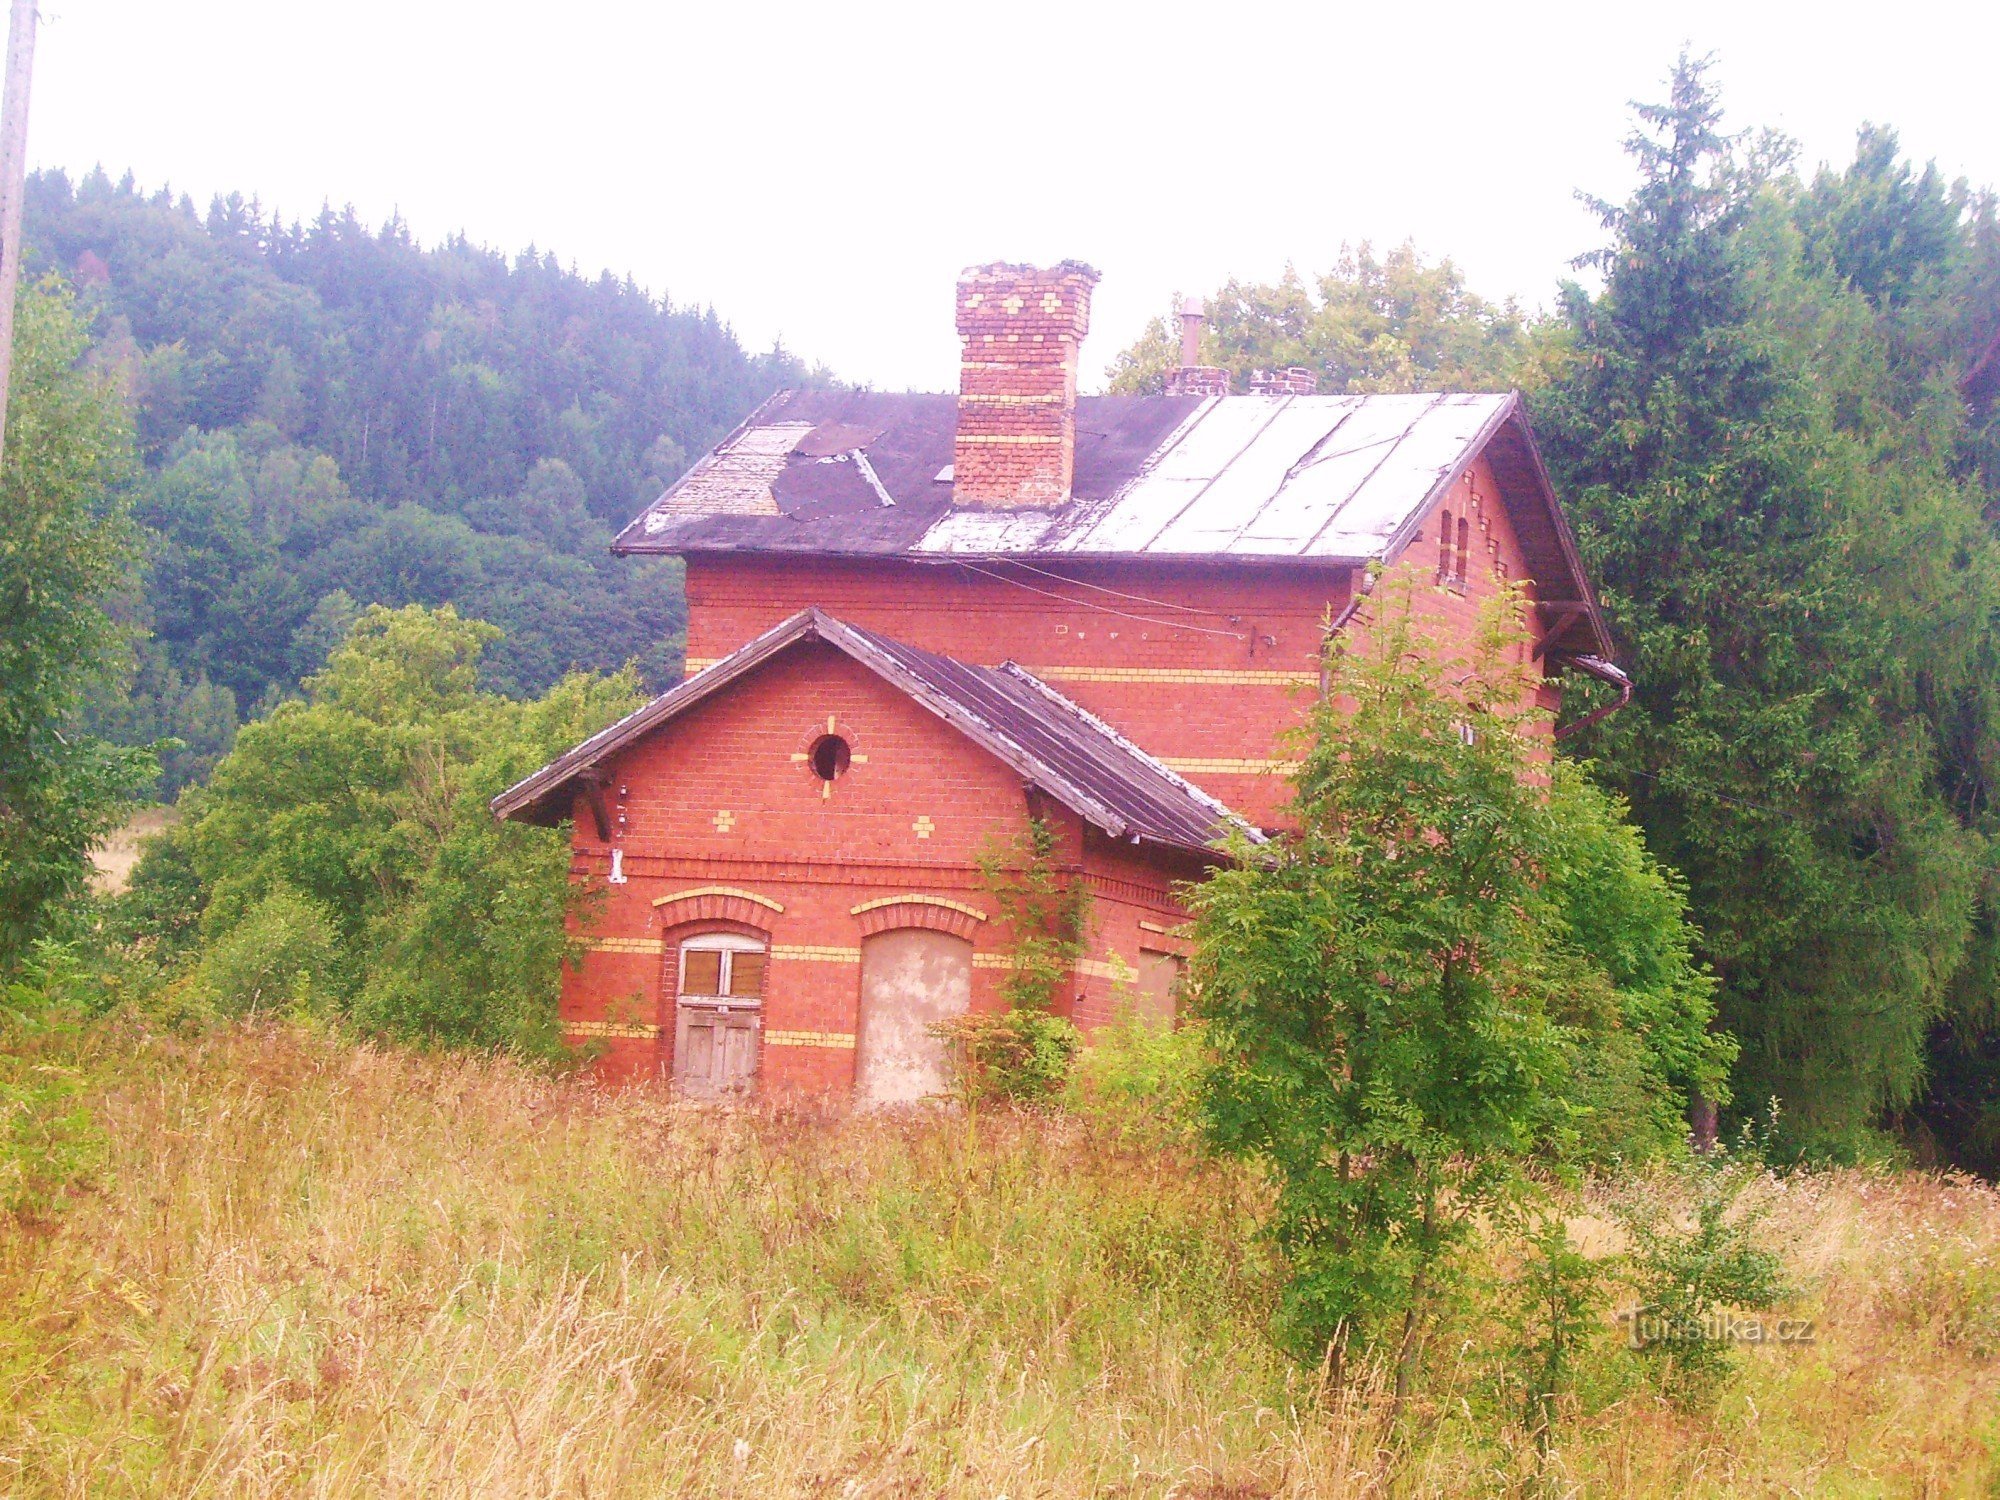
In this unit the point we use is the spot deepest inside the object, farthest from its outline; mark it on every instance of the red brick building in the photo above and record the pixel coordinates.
(915, 621)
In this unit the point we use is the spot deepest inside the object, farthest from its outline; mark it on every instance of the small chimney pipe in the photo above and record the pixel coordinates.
(1193, 315)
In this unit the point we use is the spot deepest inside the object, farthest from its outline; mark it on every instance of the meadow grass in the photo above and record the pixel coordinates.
(290, 1264)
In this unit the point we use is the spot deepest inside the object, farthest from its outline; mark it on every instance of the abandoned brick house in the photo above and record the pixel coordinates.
(914, 621)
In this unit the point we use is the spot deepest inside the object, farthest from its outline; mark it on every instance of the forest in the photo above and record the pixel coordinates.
(329, 415)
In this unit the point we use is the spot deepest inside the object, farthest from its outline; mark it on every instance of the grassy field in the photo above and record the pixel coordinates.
(112, 861)
(287, 1265)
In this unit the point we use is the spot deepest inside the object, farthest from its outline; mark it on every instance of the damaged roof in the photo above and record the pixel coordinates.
(1055, 745)
(1327, 479)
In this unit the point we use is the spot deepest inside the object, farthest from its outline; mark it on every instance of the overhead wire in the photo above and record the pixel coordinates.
(1115, 593)
(1103, 609)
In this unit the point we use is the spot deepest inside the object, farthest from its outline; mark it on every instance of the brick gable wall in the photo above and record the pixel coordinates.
(722, 826)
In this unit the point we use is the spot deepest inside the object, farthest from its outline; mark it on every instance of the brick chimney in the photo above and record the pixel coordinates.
(1019, 327)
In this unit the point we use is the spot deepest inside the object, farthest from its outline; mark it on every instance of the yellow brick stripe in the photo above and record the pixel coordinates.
(813, 953)
(1230, 767)
(1177, 676)
(992, 960)
(628, 1029)
(628, 945)
(1186, 677)
(1114, 969)
(842, 1040)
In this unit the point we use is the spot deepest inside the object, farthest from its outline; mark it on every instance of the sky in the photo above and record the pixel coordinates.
(819, 174)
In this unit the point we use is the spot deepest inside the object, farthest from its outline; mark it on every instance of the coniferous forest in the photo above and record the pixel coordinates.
(329, 415)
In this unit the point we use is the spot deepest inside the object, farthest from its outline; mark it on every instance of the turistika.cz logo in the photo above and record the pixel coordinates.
(1648, 1326)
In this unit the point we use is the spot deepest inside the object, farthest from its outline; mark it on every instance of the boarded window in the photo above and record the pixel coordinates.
(911, 978)
(746, 974)
(701, 971)
(1160, 984)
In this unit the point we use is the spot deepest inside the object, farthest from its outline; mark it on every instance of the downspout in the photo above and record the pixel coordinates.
(1603, 671)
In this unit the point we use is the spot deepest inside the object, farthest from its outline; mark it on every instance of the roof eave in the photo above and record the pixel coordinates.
(549, 779)
(534, 799)
(620, 547)
(940, 559)
(1514, 410)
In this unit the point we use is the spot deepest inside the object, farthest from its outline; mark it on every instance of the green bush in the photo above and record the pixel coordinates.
(343, 855)
(1141, 1079)
(1552, 1313)
(285, 954)
(1448, 975)
(1694, 1257)
(50, 1142)
(1019, 1056)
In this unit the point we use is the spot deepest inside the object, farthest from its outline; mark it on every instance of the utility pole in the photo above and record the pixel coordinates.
(13, 182)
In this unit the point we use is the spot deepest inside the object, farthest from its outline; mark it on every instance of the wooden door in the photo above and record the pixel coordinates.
(911, 978)
(715, 1048)
(718, 1015)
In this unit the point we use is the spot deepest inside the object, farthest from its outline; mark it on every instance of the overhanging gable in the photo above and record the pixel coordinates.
(1051, 743)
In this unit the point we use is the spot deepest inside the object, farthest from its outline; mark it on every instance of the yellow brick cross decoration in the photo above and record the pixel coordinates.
(923, 828)
(724, 821)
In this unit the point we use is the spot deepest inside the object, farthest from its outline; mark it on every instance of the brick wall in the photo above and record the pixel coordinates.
(1207, 680)
(1464, 582)
(724, 826)
(1222, 661)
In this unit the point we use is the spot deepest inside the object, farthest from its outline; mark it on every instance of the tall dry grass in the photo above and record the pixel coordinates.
(305, 1267)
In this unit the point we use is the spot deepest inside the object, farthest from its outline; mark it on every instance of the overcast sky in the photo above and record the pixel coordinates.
(820, 173)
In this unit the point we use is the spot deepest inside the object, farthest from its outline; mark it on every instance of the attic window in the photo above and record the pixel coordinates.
(829, 756)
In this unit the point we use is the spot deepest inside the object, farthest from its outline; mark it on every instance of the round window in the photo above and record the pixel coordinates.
(829, 756)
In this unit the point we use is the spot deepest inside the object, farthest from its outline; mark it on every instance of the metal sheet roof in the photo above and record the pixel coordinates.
(1324, 479)
(1068, 752)
(1262, 476)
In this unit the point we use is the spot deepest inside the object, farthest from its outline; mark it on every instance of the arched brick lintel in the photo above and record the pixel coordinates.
(744, 908)
(933, 912)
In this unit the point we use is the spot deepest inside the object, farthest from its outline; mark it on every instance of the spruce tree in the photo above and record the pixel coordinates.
(1801, 587)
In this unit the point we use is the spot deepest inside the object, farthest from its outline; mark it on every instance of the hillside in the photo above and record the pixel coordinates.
(260, 1261)
(331, 415)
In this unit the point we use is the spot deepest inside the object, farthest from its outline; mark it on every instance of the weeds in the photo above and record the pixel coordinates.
(306, 1267)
